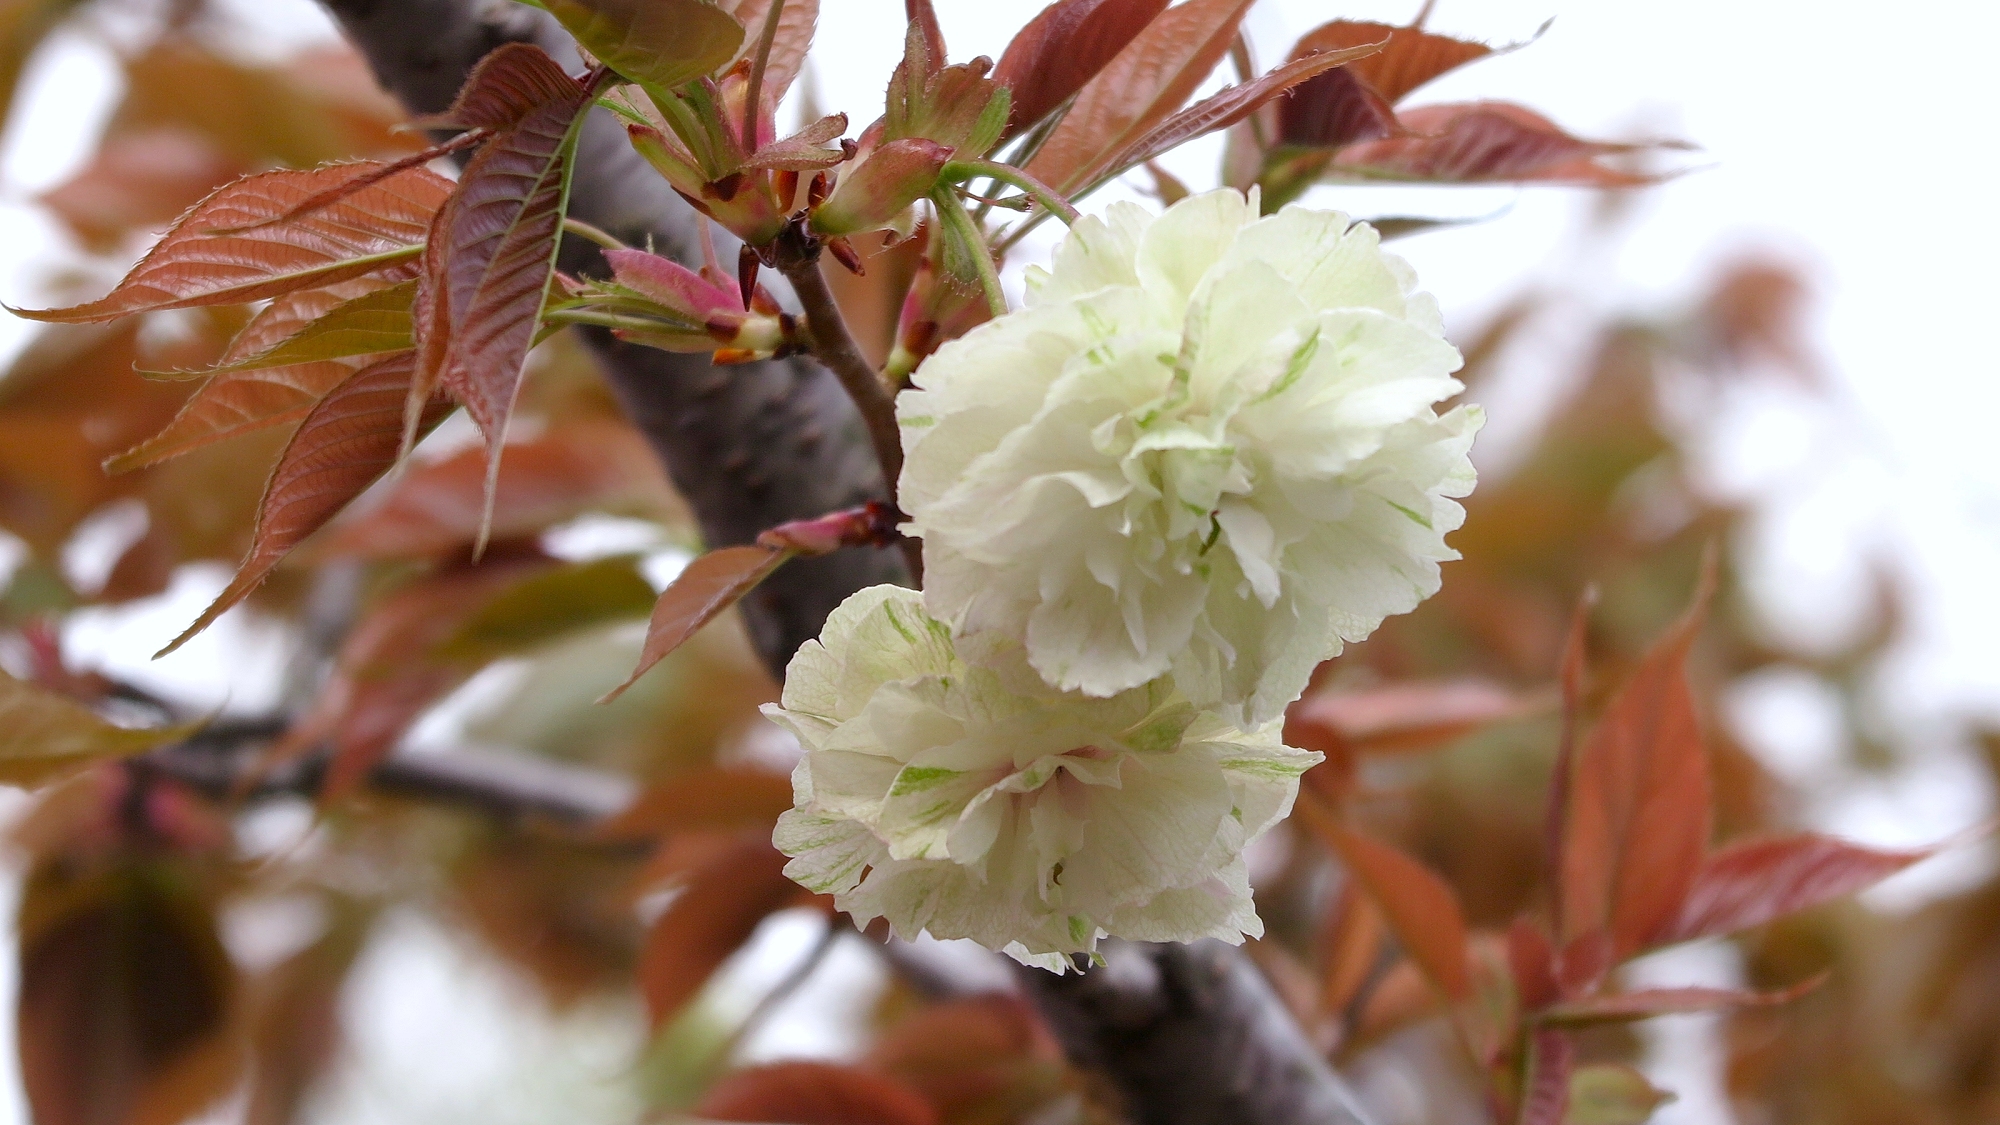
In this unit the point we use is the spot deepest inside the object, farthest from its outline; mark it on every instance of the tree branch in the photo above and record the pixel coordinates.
(750, 447)
(1191, 1034)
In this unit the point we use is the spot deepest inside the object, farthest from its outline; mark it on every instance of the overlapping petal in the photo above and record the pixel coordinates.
(1208, 448)
(971, 800)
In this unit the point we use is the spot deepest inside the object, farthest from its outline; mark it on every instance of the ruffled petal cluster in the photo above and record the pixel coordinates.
(1208, 449)
(971, 800)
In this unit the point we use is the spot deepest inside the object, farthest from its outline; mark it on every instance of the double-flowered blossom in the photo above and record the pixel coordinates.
(971, 800)
(1207, 448)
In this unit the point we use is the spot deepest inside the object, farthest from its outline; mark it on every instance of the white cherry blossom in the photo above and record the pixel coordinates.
(974, 801)
(1208, 447)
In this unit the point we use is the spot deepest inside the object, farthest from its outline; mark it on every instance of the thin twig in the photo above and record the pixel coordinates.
(1050, 199)
(786, 986)
(796, 255)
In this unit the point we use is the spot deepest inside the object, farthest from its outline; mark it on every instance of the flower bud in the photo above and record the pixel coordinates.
(874, 193)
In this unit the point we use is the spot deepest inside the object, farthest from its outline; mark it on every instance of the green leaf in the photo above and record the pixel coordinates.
(656, 43)
(372, 324)
(43, 735)
(1612, 1094)
(549, 605)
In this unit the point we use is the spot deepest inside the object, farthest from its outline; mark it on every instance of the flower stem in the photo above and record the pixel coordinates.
(1051, 200)
(952, 214)
(757, 66)
(595, 234)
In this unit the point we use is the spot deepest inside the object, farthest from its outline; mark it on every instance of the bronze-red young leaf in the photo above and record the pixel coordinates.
(1140, 87)
(1636, 823)
(1486, 142)
(713, 915)
(370, 230)
(1064, 47)
(1226, 108)
(491, 256)
(345, 442)
(1621, 1007)
(1753, 882)
(1410, 57)
(1419, 906)
(815, 1093)
(698, 595)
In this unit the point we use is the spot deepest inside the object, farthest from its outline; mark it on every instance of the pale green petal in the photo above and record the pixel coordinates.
(1187, 240)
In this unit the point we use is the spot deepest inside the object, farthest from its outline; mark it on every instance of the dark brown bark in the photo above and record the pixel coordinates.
(1190, 1034)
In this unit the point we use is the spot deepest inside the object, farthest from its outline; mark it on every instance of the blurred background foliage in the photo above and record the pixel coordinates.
(177, 954)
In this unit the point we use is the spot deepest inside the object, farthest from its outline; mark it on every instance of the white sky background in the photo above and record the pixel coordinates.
(1855, 144)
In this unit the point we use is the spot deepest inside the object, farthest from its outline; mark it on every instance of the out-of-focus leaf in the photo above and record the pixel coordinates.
(491, 255)
(700, 594)
(788, 47)
(714, 914)
(710, 798)
(1646, 1003)
(23, 24)
(1410, 58)
(371, 324)
(1064, 47)
(1223, 110)
(434, 508)
(1140, 87)
(1612, 1094)
(1351, 946)
(140, 179)
(372, 229)
(43, 735)
(296, 1028)
(345, 442)
(549, 605)
(978, 1059)
(1401, 716)
(386, 673)
(125, 1000)
(815, 1093)
(1636, 819)
(1551, 1063)
(657, 43)
(1492, 142)
(1422, 910)
(1753, 882)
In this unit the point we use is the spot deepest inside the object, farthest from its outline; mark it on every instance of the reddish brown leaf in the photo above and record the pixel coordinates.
(709, 798)
(386, 673)
(815, 1093)
(239, 401)
(492, 248)
(700, 594)
(1637, 819)
(1647, 1003)
(1486, 142)
(345, 442)
(714, 914)
(923, 18)
(1141, 86)
(125, 998)
(984, 1058)
(1531, 962)
(1419, 906)
(370, 230)
(1351, 945)
(1753, 882)
(1223, 110)
(1410, 58)
(1551, 1061)
(512, 83)
(1401, 716)
(788, 48)
(434, 507)
(1334, 109)
(1063, 48)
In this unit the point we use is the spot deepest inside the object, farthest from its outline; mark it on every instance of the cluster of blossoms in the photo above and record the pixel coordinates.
(1204, 456)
